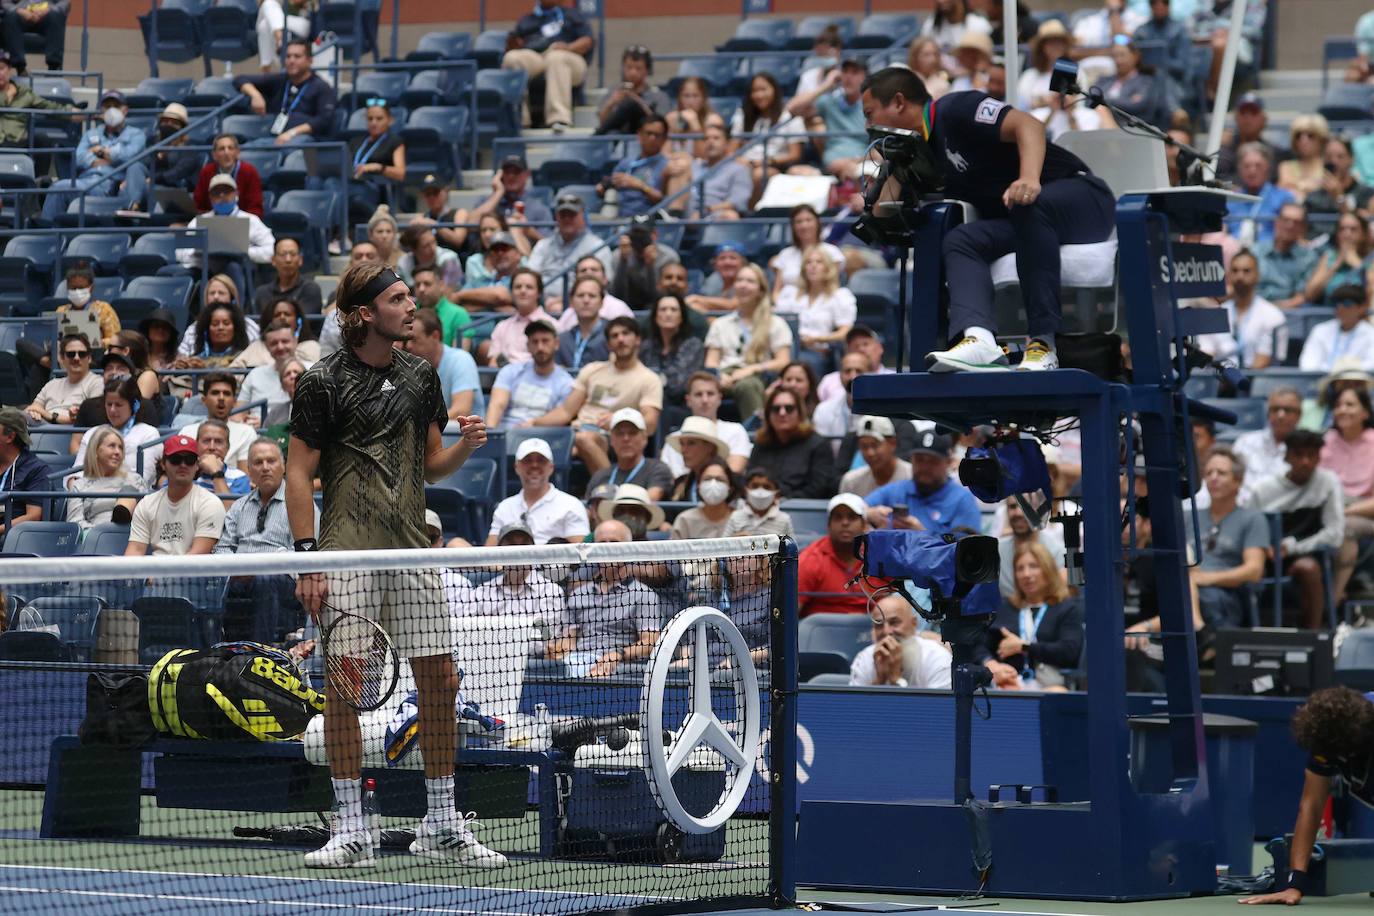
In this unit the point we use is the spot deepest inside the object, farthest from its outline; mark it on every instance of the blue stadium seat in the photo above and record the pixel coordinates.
(435, 140)
(725, 106)
(843, 634)
(265, 159)
(103, 250)
(1355, 663)
(489, 48)
(1264, 381)
(441, 46)
(151, 252)
(247, 126)
(97, 212)
(574, 163)
(786, 70)
(439, 87)
(107, 288)
(157, 92)
(13, 389)
(105, 539)
(1340, 47)
(73, 615)
(453, 511)
(53, 88)
(178, 33)
(560, 440)
(147, 293)
(809, 516)
(718, 72)
(355, 37)
(356, 124)
(499, 96)
(875, 292)
(383, 84)
(811, 26)
(43, 539)
(305, 216)
(31, 646)
(759, 35)
(165, 623)
(211, 92)
(1348, 102)
(229, 31)
(55, 129)
(16, 171)
(26, 269)
(883, 30)
(1251, 413)
(476, 480)
(751, 236)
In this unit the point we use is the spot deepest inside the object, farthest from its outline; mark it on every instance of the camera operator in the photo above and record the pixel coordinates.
(1032, 197)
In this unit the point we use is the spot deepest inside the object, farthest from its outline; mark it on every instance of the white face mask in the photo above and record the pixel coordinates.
(760, 498)
(113, 117)
(713, 492)
(79, 297)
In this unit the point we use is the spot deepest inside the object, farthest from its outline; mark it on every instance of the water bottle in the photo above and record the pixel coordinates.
(370, 815)
(543, 728)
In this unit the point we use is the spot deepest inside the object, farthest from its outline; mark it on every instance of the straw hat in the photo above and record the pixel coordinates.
(1346, 369)
(700, 428)
(631, 494)
(1050, 28)
(975, 41)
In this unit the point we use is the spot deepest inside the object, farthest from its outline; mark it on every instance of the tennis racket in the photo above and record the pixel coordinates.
(359, 660)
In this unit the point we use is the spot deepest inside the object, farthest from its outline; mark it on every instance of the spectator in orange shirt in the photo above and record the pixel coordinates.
(825, 568)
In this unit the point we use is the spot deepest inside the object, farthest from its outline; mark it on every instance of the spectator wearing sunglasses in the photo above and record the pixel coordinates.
(60, 398)
(379, 159)
(636, 99)
(256, 523)
(181, 519)
(791, 451)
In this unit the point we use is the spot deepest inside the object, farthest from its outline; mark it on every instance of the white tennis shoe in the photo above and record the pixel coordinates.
(972, 354)
(453, 842)
(344, 850)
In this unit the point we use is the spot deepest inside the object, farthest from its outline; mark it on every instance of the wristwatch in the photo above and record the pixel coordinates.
(901, 682)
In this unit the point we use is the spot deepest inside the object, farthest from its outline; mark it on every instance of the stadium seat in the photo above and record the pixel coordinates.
(165, 623)
(31, 646)
(759, 35)
(829, 679)
(1338, 48)
(43, 539)
(73, 616)
(439, 87)
(53, 88)
(384, 84)
(441, 46)
(435, 139)
(26, 269)
(725, 106)
(560, 440)
(843, 634)
(1348, 102)
(16, 171)
(107, 288)
(476, 480)
(103, 251)
(150, 252)
(306, 216)
(105, 539)
(1264, 381)
(157, 92)
(574, 163)
(246, 126)
(786, 70)
(1355, 661)
(354, 26)
(1251, 413)
(489, 48)
(13, 389)
(230, 31)
(884, 30)
(453, 511)
(808, 515)
(751, 236)
(147, 293)
(97, 212)
(499, 96)
(811, 26)
(718, 72)
(211, 92)
(356, 124)
(178, 30)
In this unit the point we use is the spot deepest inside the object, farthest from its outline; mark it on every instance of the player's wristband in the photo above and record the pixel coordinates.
(1297, 880)
(306, 545)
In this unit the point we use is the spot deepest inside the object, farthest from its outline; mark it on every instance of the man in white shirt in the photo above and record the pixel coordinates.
(224, 202)
(1258, 326)
(611, 306)
(899, 656)
(1263, 450)
(877, 441)
(263, 383)
(182, 519)
(520, 591)
(833, 414)
(1347, 335)
(541, 507)
(704, 395)
(218, 393)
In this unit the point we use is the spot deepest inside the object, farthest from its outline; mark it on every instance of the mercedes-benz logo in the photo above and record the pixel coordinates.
(701, 727)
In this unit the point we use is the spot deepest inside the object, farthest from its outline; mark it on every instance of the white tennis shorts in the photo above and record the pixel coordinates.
(408, 603)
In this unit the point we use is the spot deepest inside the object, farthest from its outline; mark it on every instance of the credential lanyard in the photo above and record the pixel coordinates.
(286, 96)
(365, 151)
(631, 477)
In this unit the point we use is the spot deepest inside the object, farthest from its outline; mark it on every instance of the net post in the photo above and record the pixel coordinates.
(783, 727)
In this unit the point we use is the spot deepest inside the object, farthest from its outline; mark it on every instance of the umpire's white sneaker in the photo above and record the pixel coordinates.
(344, 850)
(972, 354)
(1038, 358)
(453, 843)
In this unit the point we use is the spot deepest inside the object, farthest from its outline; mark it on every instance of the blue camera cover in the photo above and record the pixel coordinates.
(1023, 469)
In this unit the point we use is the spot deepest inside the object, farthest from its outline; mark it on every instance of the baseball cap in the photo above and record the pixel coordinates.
(628, 415)
(535, 446)
(877, 427)
(432, 181)
(932, 443)
(176, 112)
(432, 521)
(568, 202)
(13, 419)
(111, 358)
(729, 245)
(112, 95)
(513, 528)
(178, 444)
(853, 60)
(515, 161)
(851, 501)
(5, 57)
(223, 180)
(1250, 100)
(541, 324)
(502, 238)
(601, 491)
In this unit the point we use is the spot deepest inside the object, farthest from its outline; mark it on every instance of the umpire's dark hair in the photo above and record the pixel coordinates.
(1303, 440)
(887, 82)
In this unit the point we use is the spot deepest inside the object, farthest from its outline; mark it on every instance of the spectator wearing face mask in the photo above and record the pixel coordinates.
(760, 513)
(698, 442)
(636, 508)
(717, 492)
(80, 289)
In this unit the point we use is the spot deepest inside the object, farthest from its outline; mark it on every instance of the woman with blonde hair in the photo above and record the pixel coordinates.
(383, 233)
(826, 311)
(925, 60)
(1304, 172)
(102, 471)
(1039, 629)
(748, 343)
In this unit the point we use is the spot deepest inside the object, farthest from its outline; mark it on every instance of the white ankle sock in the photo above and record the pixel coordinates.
(439, 795)
(349, 795)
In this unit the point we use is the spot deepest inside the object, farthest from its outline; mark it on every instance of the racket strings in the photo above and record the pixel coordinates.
(359, 662)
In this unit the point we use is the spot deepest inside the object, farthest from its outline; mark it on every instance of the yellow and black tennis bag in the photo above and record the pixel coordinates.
(231, 691)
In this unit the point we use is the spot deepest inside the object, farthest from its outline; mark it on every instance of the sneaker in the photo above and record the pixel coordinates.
(453, 843)
(1038, 358)
(968, 355)
(344, 850)
(558, 127)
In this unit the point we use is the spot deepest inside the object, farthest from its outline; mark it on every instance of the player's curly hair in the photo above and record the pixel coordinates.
(354, 280)
(1336, 723)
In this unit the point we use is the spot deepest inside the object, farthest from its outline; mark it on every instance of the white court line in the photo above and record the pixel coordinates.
(247, 901)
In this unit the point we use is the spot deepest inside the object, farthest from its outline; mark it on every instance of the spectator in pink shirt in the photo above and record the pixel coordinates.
(1348, 452)
(507, 344)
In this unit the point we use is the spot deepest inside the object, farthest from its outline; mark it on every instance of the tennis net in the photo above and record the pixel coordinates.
(164, 743)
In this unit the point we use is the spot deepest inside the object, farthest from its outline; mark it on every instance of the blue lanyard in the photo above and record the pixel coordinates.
(1343, 341)
(692, 491)
(364, 151)
(580, 347)
(124, 431)
(632, 472)
(641, 162)
(287, 97)
(9, 475)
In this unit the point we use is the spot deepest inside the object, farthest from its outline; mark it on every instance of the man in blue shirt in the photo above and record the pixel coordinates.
(300, 102)
(100, 151)
(1254, 220)
(639, 179)
(458, 379)
(20, 470)
(837, 101)
(214, 472)
(720, 189)
(555, 42)
(1285, 261)
(526, 390)
(930, 501)
(1173, 34)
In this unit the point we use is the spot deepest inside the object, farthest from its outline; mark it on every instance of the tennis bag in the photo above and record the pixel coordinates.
(232, 691)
